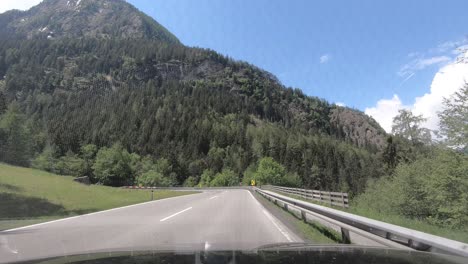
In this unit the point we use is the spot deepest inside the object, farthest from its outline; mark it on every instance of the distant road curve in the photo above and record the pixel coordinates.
(212, 220)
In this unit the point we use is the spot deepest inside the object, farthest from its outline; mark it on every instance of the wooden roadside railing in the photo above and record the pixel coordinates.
(332, 198)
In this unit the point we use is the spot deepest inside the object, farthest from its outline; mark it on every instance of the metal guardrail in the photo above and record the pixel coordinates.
(332, 198)
(361, 230)
(179, 188)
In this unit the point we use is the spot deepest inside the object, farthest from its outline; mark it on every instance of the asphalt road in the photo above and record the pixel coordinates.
(212, 220)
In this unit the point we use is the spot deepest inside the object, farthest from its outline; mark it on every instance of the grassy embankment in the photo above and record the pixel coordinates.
(29, 196)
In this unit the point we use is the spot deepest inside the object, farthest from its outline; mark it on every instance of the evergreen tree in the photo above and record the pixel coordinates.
(15, 137)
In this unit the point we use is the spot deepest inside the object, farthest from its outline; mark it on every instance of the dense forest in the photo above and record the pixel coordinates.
(227, 118)
(152, 106)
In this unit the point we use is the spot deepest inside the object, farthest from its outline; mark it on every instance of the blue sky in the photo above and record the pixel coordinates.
(364, 45)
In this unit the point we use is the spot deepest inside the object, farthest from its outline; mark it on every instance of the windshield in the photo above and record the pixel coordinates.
(196, 126)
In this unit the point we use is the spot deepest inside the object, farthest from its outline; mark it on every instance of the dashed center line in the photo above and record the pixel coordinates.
(164, 219)
(213, 197)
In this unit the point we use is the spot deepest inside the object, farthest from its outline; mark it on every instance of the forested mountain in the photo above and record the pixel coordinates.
(83, 18)
(77, 74)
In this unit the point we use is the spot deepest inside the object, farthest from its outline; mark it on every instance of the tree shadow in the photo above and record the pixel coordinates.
(9, 187)
(80, 211)
(15, 206)
(18, 206)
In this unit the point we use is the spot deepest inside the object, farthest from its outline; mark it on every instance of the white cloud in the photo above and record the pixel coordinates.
(6, 5)
(450, 45)
(340, 104)
(420, 64)
(413, 54)
(385, 110)
(446, 82)
(324, 58)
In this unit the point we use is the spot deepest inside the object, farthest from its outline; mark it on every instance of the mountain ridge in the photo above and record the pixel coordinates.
(90, 85)
(85, 18)
(78, 18)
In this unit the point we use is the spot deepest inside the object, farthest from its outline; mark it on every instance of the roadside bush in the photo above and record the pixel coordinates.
(88, 154)
(225, 178)
(270, 172)
(113, 166)
(45, 160)
(190, 182)
(433, 189)
(292, 180)
(154, 178)
(206, 178)
(70, 164)
(249, 175)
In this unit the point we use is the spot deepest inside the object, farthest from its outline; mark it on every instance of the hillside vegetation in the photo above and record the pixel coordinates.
(137, 90)
(425, 186)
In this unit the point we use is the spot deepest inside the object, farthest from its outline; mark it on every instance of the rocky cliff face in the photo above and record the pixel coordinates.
(357, 127)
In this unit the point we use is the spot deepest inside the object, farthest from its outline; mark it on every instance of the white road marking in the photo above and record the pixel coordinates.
(285, 234)
(207, 245)
(78, 216)
(4, 244)
(255, 199)
(213, 197)
(164, 219)
(272, 219)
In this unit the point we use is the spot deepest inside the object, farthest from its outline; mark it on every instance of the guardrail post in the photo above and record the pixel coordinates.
(345, 236)
(152, 194)
(418, 245)
(304, 217)
(342, 200)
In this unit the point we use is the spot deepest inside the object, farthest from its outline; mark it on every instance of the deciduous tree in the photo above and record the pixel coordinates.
(454, 119)
(408, 125)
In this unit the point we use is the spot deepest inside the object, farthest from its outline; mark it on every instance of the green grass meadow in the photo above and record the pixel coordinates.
(29, 196)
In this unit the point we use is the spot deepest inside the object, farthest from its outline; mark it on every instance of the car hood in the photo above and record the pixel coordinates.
(275, 253)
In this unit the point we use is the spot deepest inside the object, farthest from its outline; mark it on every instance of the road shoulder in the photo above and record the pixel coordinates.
(302, 230)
